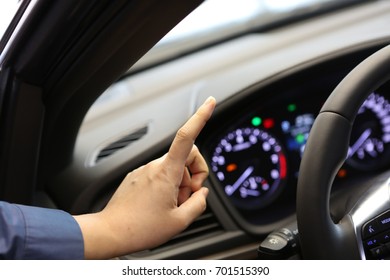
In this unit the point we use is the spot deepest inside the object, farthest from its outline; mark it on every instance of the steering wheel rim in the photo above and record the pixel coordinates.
(325, 152)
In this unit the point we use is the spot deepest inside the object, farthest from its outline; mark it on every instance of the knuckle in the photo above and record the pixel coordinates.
(183, 133)
(195, 149)
(202, 206)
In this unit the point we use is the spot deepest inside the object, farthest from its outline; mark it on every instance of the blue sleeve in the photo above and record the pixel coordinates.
(28, 232)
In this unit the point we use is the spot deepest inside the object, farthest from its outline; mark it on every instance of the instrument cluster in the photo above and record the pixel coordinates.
(254, 158)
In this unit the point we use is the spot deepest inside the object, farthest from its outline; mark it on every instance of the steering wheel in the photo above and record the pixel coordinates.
(326, 150)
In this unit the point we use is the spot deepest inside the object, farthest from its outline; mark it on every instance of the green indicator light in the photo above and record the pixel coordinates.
(291, 107)
(300, 138)
(256, 121)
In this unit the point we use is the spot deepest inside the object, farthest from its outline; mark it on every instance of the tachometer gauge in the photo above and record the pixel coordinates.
(370, 137)
(251, 167)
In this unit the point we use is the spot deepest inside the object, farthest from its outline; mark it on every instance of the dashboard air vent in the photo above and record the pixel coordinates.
(121, 143)
(204, 226)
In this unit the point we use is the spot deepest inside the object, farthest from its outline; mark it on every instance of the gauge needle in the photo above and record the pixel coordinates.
(231, 189)
(352, 150)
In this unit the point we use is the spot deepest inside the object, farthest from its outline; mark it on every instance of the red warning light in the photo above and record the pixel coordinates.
(269, 123)
(342, 173)
(283, 166)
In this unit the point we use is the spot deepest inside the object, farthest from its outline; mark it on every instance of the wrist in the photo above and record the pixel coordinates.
(99, 240)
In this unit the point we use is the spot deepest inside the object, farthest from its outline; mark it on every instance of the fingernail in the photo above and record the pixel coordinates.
(209, 100)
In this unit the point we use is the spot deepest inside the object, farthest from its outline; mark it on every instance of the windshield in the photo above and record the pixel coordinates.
(218, 13)
(216, 20)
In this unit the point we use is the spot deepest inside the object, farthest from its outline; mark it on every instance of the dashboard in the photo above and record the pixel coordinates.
(255, 145)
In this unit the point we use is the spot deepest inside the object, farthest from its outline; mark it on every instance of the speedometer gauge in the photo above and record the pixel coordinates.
(251, 167)
(370, 138)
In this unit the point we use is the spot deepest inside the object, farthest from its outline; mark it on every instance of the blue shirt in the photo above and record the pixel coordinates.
(28, 232)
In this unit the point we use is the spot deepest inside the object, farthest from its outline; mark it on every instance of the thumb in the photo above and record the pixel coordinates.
(193, 207)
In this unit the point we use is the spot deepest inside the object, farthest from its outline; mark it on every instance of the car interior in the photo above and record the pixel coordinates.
(298, 147)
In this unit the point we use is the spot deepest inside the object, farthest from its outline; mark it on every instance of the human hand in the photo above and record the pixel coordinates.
(154, 202)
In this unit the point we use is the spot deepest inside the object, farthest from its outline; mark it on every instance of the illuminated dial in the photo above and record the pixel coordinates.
(251, 167)
(370, 138)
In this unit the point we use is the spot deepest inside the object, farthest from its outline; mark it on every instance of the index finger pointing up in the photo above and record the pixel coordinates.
(186, 135)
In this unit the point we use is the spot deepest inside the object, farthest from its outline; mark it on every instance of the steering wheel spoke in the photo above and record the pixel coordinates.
(371, 220)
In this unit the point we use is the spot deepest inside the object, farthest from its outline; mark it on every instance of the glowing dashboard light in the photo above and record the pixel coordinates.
(283, 166)
(231, 167)
(269, 123)
(256, 121)
(291, 107)
(286, 126)
(300, 138)
(342, 173)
